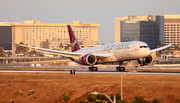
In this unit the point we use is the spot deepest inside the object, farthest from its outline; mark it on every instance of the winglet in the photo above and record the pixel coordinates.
(73, 40)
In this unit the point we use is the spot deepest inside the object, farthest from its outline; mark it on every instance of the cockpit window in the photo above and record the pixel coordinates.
(143, 46)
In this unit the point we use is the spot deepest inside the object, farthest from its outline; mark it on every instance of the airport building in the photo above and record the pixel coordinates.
(147, 28)
(128, 28)
(34, 32)
(6, 35)
(172, 29)
(61, 44)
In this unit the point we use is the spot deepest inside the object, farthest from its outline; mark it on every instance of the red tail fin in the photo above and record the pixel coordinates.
(73, 40)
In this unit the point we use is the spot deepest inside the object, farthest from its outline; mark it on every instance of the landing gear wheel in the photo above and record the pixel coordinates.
(93, 68)
(117, 68)
(72, 71)
(120, 68)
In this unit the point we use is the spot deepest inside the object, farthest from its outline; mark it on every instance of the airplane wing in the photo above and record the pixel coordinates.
(62, 53)
(161, 48)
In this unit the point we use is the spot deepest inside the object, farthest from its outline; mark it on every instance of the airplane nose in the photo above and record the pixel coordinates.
(144, 53)
(148, 52)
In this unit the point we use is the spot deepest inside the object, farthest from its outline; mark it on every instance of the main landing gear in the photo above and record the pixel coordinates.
(141, 62)
(93, 68)
(117, 68)
(120, 68)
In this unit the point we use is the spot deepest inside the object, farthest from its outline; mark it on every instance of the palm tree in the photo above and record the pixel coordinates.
(30, 53)
(21, 49)
(168, 49)
(2, 52)
(162, 45)
(176, 47)
(61, 46)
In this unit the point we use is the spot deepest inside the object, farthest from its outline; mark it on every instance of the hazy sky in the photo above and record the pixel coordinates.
(102, 12)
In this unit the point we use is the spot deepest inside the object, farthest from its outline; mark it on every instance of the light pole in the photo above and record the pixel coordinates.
(121, 83)
(105, 95)
(121, 86)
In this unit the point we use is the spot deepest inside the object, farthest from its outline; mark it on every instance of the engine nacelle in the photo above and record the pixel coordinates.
(88, 59)
(146, 61)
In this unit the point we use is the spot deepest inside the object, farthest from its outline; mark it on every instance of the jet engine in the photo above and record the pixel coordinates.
(145, 61)
(88, 59)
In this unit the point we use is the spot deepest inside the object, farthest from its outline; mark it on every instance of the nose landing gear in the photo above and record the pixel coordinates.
(120, 68)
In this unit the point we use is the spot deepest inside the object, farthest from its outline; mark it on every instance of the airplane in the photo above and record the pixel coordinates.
(118, 52)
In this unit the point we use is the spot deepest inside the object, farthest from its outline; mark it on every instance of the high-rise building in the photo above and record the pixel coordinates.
(172, 29)
(34, 32)
(147, 28)
(6, 35)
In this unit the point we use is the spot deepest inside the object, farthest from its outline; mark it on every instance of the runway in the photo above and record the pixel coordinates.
(101, 72)
(102, 69)
(112, 67)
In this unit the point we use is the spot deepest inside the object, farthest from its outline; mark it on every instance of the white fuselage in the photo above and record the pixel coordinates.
(120, 51)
